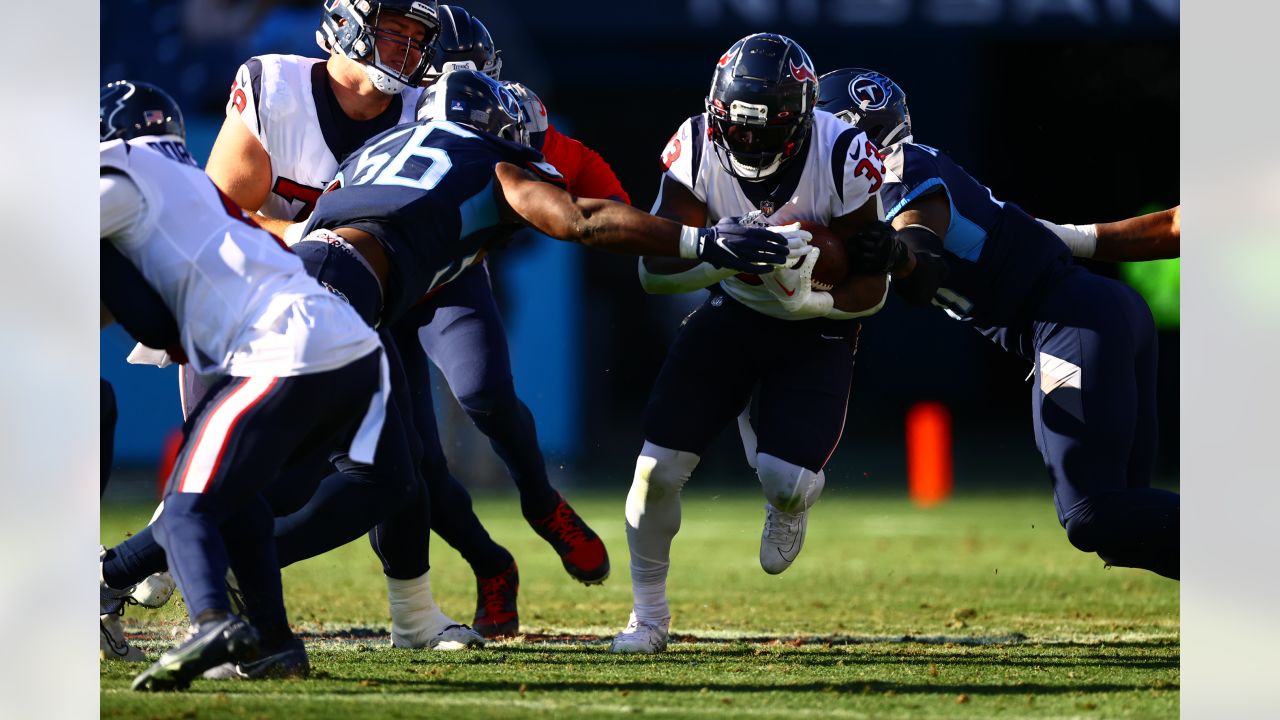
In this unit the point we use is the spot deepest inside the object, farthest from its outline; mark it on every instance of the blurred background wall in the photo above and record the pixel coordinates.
(1068, 108)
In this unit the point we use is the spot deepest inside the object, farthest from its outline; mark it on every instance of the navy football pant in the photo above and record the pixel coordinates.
(317, 509)
(107, 416)
(1094, 409)
(238, 440)
(724, 350)
(460, 331)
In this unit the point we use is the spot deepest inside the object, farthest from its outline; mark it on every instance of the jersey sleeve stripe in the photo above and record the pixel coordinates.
(839, 153)
(916, 192)
(698, 128)
(255, 82)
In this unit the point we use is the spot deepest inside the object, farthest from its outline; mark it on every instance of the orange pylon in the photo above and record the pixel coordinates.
(929, 453)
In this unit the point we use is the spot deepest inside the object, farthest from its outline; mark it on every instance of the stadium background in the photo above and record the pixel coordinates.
(1066, 107)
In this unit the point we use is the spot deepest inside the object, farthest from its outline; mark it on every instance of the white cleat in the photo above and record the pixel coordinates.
(155, 591)
(782, 538)
(647, 637)
(433, 630)
(113, 644)
(456, 637)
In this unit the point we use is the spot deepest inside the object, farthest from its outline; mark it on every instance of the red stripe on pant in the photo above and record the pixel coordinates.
(204, 456)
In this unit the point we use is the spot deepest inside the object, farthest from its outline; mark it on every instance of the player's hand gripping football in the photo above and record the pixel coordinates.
(743, 248)
(793, 285)
(875, 250)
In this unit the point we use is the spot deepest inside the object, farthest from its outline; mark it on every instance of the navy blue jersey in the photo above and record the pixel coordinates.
(998, 257)
(425, 191)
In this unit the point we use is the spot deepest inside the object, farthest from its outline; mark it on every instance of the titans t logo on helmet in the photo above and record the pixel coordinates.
(869, 91)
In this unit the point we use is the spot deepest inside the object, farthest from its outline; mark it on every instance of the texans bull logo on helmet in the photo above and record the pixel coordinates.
(803, 72)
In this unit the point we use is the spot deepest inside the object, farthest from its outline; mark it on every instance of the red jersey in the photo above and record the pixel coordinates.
(586, 172)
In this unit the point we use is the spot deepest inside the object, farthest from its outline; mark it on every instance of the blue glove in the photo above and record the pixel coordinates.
(738, 247)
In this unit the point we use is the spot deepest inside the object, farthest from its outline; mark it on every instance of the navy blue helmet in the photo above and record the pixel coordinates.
(869, 100)
(351, 27)
(463, 43)
(128, 109)
(760, 108)
(475, 100)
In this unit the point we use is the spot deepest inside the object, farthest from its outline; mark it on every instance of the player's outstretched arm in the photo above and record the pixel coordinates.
(910, 249)
(614, 227)
(667, 276)
(1154, 236)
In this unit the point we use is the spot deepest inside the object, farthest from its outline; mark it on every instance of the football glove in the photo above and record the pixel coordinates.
(735, 247)
(793, 288)
(875, 250)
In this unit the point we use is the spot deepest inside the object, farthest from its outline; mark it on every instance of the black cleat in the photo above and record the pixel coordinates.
(288, 660)
(215, 642)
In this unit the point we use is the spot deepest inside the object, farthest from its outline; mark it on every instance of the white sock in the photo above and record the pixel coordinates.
(653, 519)
(415, 617)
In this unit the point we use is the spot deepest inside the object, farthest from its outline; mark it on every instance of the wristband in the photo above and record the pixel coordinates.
(1081, 239)
(689, 241)
(819, 302)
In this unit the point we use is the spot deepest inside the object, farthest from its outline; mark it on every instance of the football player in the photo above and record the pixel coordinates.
(273, 160)
(761, 148)
(290, 368)
(458, 328)
(290, 122)
(1091, 339)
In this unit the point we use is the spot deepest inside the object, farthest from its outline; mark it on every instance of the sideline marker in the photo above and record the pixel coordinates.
(929, 476)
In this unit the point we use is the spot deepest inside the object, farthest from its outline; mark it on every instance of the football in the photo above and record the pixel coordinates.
(833, 262)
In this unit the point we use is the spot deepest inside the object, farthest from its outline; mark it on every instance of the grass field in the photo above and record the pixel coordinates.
(979, 608)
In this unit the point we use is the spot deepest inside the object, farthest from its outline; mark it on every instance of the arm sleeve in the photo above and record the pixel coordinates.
(121, 205)
(696, 278)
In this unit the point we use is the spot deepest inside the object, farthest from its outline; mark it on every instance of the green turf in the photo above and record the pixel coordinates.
(979, 608)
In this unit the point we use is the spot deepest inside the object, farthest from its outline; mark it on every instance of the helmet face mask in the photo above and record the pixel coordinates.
(760, 108)
(474, 100)
(869, 100)
(393, 60)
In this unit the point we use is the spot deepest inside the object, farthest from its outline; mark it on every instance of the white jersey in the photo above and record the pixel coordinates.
(277, 98)
(244, 303)
(841, 171)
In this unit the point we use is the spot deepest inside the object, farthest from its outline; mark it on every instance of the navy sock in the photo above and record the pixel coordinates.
(514, 436)
(188, 531)
(1135, 527)
(402, 542)
(252, 555)
(456, 523)
(133, 560)
(107, 416)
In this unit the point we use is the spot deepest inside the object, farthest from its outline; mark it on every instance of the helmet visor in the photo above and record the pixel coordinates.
(752, 144)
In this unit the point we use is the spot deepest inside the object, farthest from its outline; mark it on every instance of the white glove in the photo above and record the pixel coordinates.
(797, 239)
(793, 287)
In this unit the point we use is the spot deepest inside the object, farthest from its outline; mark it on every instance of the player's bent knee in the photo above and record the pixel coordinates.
(488, 400)
(789, 487)
(662, 472)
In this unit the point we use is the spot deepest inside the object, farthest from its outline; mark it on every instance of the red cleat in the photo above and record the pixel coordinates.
(496, 612)
(581, 551)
